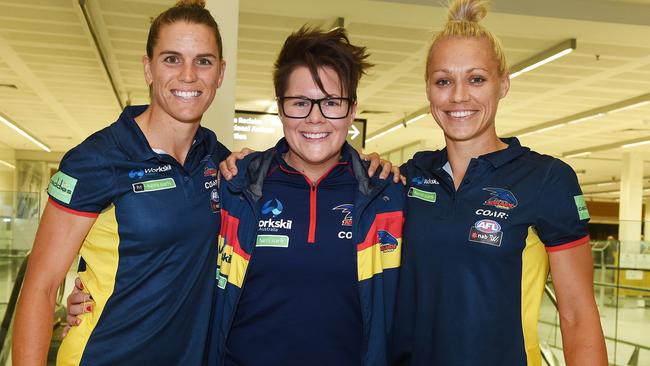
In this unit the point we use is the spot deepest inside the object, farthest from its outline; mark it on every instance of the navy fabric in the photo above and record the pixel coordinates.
(160, 303)
(300, 304)
(377, 208)
(460, 289)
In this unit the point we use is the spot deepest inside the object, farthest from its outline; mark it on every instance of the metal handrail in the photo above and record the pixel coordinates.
(5, 326)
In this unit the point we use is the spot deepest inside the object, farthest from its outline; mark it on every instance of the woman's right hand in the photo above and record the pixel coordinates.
(79, 302)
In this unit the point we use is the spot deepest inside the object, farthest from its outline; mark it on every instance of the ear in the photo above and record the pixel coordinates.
(222, 69)
(148, 76)
(353, 113)
(504, 85)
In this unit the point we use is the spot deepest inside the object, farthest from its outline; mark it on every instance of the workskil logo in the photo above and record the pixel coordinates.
(387, 242)
(420, 181)
(273, 207)
(345, 209)
(139, 173)
(501, 198)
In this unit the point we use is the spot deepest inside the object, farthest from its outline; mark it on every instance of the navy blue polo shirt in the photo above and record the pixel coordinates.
(148, 260)
(475, 259)
(300, 300)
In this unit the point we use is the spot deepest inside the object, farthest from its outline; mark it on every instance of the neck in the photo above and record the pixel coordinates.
(165, 133)
(459, 153)
(312, 171)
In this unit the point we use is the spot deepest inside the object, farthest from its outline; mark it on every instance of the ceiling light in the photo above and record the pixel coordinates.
(417, 118)
(543, 57)
(4, 119)
(577, 155)
(382, 133)
(634, 144)
(10, 166)
(587, 115)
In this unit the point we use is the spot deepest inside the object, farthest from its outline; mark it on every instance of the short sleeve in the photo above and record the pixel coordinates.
(562, 214)
(221, 152)
(84, 184)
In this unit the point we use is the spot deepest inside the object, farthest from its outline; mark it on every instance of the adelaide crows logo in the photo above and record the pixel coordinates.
(387, 242)
(501, 198)
(346, 209)
(273, 206)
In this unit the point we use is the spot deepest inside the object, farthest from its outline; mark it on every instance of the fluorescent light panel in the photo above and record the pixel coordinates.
(562, 49)
(635, 144)
(10, 166)
(24, 133)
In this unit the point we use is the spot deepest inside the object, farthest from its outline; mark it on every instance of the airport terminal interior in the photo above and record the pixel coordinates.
(580, 91)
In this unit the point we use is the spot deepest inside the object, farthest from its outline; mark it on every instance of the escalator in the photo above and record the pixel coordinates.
(19, 261)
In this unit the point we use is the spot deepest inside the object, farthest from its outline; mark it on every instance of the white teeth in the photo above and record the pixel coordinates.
(186, 94)
(318, 135)
(460, 114)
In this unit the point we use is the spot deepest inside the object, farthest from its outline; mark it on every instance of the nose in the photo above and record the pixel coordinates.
(315, 115)
(460, 93)
(188, 73)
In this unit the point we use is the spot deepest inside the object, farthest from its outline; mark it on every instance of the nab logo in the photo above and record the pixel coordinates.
(273, 206)
(387, 242)
(136, 173)
(487, 226)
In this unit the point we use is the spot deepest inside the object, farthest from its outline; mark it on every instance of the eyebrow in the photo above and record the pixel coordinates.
(175, 53)
(468, 71)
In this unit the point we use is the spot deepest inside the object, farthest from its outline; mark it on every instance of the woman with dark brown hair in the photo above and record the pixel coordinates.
(137, 200)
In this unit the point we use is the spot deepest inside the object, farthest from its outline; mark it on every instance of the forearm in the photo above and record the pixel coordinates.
(33, 327)
(583, 340)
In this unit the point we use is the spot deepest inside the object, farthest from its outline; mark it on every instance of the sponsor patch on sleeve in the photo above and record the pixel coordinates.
(62, 186)
(581, 205)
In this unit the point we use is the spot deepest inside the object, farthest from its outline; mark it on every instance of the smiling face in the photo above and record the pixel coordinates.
(184, 71)
(314, 141)
(464, 88)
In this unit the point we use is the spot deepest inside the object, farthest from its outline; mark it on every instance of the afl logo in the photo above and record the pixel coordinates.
(487, 226)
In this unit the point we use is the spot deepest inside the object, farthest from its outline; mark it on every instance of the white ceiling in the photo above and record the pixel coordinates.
(62, 93)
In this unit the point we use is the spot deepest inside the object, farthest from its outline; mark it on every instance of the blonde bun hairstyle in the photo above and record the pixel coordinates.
(463, 20)
(199, 3)
(189, 11)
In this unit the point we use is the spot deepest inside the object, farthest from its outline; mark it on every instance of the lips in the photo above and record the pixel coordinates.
(315, 135)
(186, 94)
(461, 114)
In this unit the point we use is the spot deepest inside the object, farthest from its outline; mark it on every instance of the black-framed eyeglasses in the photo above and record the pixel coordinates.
(330, 107)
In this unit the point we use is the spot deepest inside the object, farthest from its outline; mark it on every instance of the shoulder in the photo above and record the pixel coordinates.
(93, 150)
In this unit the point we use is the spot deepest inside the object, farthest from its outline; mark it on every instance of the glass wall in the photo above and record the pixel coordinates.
(622, 291)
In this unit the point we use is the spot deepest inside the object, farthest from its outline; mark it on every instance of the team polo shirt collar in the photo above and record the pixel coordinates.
(436, 160)
(132, 141)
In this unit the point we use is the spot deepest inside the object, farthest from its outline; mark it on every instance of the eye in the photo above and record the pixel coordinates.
(332, 102)
(477, 80)
(171, 59)
(204, 61)
(443, 82)
(300, 103)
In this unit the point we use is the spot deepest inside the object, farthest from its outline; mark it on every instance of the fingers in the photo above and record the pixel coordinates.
(386, 169)
(66, 329)
(78, 285)
(402, 178)
(396, 174)
(374, 163)
(228, 167)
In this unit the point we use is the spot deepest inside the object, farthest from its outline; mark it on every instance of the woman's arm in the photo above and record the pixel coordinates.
(582, 335)
(58, 239)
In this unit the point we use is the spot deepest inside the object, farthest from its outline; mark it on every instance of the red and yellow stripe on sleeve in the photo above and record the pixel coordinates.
(232, 260)
(382, 246)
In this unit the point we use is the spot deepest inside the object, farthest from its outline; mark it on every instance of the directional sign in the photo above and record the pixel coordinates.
(357, 134)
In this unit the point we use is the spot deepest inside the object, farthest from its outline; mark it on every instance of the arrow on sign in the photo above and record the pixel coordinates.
(354, 132)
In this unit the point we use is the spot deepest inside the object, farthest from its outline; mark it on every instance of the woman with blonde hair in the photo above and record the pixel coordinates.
(485, 220)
